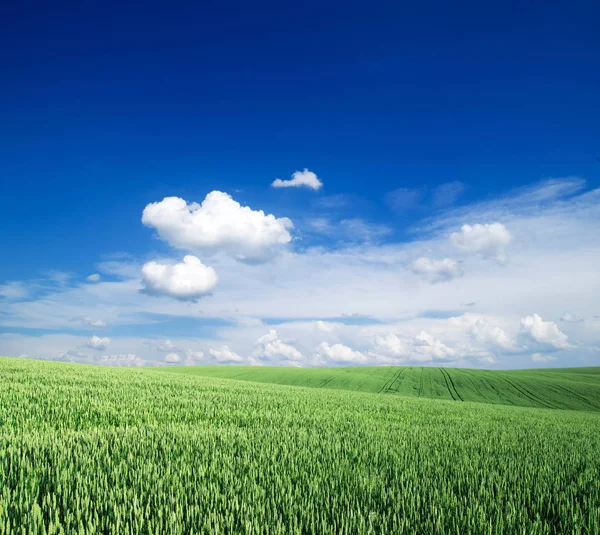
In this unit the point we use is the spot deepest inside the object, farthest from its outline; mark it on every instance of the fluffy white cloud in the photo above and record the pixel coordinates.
(172, 358)
(93, 322)
(15, 290)
(95, 342)
(218, 224)
(270, 347)
(436, 270)
(166, 345)
(305, 178)
(324, 327)
(570, 318)
(431, 348)
(186, 281)
(391, 345)
(543, 332)
(423, 347)
(483, 332)
(192, 358)
(488, 240)
(538, 357)
(94, 277)
(338, 354)
(224, 355)
(120, 359)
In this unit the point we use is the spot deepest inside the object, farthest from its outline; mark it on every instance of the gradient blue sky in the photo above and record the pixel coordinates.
(417, 119)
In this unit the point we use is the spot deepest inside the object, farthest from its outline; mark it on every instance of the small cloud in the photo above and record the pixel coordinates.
(121, 359)
(166, 345)
(324, 327)
(436, 270)
(98, 343)
(543, 332)
(60, 278)
(570, 318)
(350, 230)
(15, 290)
(94, 277)
(448, 193)
(305, 178)
(224, 355)
(187, 281)
(338, 353)
(331, 201)
(270, 347)
(469, 304)
(538, 357)
(404, 198)
(93, 322)
(488, 240)
(172, 358)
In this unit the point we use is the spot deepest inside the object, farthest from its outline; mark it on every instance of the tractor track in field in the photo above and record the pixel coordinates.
(397, 380)
(532, 397)
(386, 386)
(575, 394)
(420, 383)
(449, 382)
(326, 382)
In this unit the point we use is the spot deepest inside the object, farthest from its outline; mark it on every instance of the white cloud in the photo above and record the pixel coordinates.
(218, 224)
(271, 348)
(570, 318)
(354, 230)
(192, 358)
(431, 348)
(448, 193)
(91, 322)
(423, 347)
(120, 359)
(483, 332)
(224, 355)
(172, 358)
(436, 270)
(338, 354)
(166, 345)
(98, 343)
(488, 240)
(391, 345)
(404, 198)
(538, 357)
(305, 178)
(543, 332)
(94, 277)
(14, 290)
(324, 327)
(187, 281)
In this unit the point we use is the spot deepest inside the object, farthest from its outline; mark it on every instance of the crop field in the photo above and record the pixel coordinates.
(572, 388)
(90, 450)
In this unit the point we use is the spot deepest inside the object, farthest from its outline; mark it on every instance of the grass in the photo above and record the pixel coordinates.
(104, 450)
(572, 388)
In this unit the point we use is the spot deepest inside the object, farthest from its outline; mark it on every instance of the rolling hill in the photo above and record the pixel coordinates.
(570, 388)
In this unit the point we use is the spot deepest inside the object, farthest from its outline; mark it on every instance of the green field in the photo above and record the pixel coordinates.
(572, 388)
(117, 451)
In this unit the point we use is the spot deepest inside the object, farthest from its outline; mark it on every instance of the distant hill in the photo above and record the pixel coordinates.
(566, 388)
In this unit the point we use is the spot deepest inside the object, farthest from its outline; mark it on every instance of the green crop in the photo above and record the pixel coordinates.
(574, 388)
(119, 451)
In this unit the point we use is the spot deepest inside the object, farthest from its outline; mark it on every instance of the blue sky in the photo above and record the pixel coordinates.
(415, 120)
